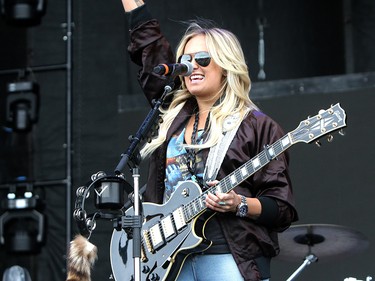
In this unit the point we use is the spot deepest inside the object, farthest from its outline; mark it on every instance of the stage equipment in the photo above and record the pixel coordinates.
(23, 12)
(22, 225)
(325, 242)
(22, 105)
(111, 191)
(16, 272)
(111, 196)
(262, 23)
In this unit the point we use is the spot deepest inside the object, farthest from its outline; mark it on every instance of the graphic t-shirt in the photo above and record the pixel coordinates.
(176, 168)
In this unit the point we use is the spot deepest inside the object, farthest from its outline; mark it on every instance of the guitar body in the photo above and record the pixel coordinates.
(165, 259)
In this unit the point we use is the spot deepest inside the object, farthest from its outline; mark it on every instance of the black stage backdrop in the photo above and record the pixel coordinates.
(333, 184)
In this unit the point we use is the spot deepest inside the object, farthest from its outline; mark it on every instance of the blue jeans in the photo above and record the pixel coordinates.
(210, 268)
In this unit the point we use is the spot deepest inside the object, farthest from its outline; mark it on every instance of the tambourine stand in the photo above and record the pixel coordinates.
(308, 260)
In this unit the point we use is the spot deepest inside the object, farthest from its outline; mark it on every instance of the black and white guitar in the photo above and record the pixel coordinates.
(168, 235)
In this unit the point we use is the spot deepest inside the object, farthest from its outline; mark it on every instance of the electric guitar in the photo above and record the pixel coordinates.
(167, 232)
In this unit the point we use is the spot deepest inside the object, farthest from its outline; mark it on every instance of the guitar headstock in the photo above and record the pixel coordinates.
(323, 123)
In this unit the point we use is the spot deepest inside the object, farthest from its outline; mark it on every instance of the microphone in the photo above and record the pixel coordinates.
(185, 69)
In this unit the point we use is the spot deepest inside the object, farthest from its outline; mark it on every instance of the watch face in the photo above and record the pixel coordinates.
(243, 211)
(242, 208)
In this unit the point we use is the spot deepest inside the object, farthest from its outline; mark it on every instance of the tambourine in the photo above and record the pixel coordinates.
(111, 194)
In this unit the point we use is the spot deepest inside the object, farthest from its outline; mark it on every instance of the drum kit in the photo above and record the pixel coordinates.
(325, 242)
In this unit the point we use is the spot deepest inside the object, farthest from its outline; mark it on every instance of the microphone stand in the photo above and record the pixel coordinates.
(150, 123)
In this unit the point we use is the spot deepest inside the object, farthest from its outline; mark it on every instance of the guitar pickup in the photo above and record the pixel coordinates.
(156, 237)
(168, 227)
(153, 238)
(165, 230)
(179, 219)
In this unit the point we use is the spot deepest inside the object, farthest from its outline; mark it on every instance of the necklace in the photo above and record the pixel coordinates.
(192, 152)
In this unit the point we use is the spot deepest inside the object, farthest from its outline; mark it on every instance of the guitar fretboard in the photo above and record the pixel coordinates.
(197, 205)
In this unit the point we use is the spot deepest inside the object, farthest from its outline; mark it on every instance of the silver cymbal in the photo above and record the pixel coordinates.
(325, 241)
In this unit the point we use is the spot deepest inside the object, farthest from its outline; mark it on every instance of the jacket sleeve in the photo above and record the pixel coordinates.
(272, 184)
(148, 47)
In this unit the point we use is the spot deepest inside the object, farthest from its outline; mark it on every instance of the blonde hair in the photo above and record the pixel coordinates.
(225, 49)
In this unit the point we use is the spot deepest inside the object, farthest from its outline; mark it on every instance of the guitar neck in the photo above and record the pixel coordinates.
(308, 130)
(270, 152)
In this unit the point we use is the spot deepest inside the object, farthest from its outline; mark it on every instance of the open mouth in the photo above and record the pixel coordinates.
(196, 77)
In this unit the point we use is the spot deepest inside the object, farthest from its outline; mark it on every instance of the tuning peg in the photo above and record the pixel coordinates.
(329, 138)
(318, 143)
(342, 132)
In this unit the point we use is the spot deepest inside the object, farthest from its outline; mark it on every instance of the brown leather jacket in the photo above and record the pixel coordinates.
(247, 238)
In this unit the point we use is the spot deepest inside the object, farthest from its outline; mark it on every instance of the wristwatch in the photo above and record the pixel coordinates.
(242, 208)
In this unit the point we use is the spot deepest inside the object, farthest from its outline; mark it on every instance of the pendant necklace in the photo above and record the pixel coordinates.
(192, 152)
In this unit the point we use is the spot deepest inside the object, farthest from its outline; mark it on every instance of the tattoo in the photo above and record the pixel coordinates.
(138, 3)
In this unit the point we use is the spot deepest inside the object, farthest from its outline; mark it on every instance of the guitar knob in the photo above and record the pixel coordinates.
(145, 269)
(154, 277)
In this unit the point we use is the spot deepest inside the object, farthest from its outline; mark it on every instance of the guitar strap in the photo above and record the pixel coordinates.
(217, 153)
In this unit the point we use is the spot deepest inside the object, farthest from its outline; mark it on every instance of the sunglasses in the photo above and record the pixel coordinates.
(201, 58)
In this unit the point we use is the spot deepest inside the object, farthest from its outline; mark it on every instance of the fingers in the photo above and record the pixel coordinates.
(222, 202)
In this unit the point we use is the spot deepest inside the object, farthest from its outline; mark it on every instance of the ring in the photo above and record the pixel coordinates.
(222, 203)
